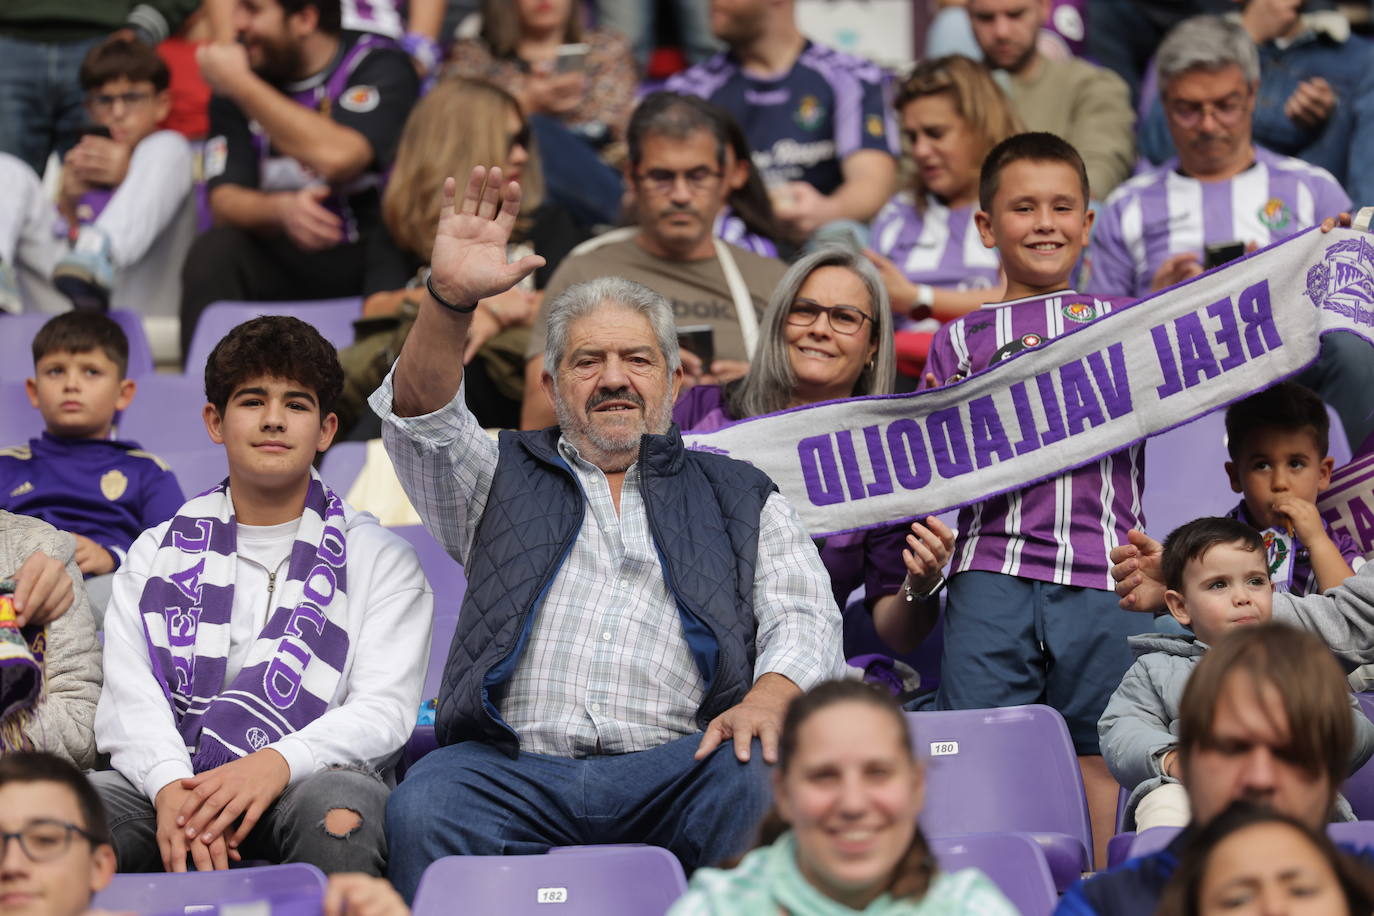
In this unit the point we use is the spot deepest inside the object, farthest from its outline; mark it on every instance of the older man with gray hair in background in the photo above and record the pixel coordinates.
(1220, 196)
(631, 605)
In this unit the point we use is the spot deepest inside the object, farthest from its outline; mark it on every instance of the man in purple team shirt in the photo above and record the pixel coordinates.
(820, 122)
(1161, 227)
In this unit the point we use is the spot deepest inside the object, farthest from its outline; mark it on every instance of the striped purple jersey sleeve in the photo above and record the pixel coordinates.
(1164, 213)
(863, 101)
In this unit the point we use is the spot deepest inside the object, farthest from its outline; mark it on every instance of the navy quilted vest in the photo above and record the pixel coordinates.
(703, 512)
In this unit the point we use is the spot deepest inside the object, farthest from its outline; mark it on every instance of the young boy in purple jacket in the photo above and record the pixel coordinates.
(74, 476)
(1031, 615)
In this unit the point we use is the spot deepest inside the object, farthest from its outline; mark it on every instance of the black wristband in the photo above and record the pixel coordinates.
(460, 309)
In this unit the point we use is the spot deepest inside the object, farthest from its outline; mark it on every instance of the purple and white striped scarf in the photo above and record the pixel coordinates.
(292, 671)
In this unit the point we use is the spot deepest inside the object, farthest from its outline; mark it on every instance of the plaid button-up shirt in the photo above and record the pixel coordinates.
(607, 669)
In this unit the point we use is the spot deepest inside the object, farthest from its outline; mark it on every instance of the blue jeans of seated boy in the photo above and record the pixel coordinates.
(41, 99)
(471, 799)
(293, 829)
(1010, 641)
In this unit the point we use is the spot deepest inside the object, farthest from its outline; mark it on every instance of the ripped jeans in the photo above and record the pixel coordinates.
(309, 822)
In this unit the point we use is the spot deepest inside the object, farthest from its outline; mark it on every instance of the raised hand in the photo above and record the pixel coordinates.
(469, 260)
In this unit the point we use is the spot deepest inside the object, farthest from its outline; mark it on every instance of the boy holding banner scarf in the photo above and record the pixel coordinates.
(265, 647)
(1031, 616)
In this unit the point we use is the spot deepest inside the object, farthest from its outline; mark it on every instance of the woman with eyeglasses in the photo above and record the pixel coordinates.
(434, 145)
(576, 84)
(925, 243)
(827, 335)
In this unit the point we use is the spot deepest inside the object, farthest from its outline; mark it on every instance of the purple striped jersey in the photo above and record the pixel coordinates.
(1059, 530)
(1162, 213)
(803, 123)
(939, 246)
(380, 16)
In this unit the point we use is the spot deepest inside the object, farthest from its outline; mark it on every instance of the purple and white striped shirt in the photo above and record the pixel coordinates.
(1162, 213)
(802, 123)
(939, 246)
(1058, 530)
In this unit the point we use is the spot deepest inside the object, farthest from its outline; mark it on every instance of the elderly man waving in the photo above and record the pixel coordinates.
(631, 605)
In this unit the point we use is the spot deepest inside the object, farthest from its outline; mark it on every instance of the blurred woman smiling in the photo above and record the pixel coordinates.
(842, 837)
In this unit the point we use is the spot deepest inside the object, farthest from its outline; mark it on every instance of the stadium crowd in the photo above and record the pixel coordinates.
(561, 265)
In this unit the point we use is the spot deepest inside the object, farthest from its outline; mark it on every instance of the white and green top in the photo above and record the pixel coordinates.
(768, 882)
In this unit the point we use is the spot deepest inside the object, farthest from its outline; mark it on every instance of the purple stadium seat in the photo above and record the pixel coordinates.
(614, 881)
(166, 414)
(449, 584)
(1009, 770)
(140, 352)
(342, 464)
(333, 318)
(1152, 840)
(191, 892)
(197, 469)
(1119, 848)
(19, 421)
(1359, 833)
(1013, 861)
(1359, 788)
(17, 333)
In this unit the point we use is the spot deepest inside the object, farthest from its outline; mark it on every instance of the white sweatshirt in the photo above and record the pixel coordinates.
(389, 617)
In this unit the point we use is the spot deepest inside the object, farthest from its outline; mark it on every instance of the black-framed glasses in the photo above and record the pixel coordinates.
(663, 181)
(104, 102)
(844, 319)
(43, 840)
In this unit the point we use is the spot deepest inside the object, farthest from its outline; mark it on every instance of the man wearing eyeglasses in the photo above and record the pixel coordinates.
(55, 850)
(1222, 195)
(682, 170)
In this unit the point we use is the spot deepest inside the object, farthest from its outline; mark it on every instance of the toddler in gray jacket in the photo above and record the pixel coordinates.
(1217, 577)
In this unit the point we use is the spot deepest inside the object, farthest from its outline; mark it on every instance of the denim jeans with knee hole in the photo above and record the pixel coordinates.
(292, 830)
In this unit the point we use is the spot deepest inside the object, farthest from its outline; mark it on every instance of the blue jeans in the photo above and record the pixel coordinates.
(41, 98)
(1010, 640)
(471, 799)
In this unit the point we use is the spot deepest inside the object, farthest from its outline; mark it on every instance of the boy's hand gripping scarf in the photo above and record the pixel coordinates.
(291, 673)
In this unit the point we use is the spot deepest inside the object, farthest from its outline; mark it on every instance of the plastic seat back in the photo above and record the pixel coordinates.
(333, 318)
(192, 892)
(613, 881)
(1011, 770)
(1013, 861)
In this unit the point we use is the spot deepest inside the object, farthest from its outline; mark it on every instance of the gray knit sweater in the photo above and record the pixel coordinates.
(65, 723)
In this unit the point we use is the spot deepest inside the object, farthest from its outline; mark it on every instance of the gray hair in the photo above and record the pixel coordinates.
(769, 385)
(582, 299)
(1206, 43)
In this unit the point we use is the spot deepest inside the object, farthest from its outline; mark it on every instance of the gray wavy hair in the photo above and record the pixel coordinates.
(582, 299)
(1206, 43)
(769, 385)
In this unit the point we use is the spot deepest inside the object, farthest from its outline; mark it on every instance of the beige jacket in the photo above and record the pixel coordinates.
(65, 723)
(1087, 105)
